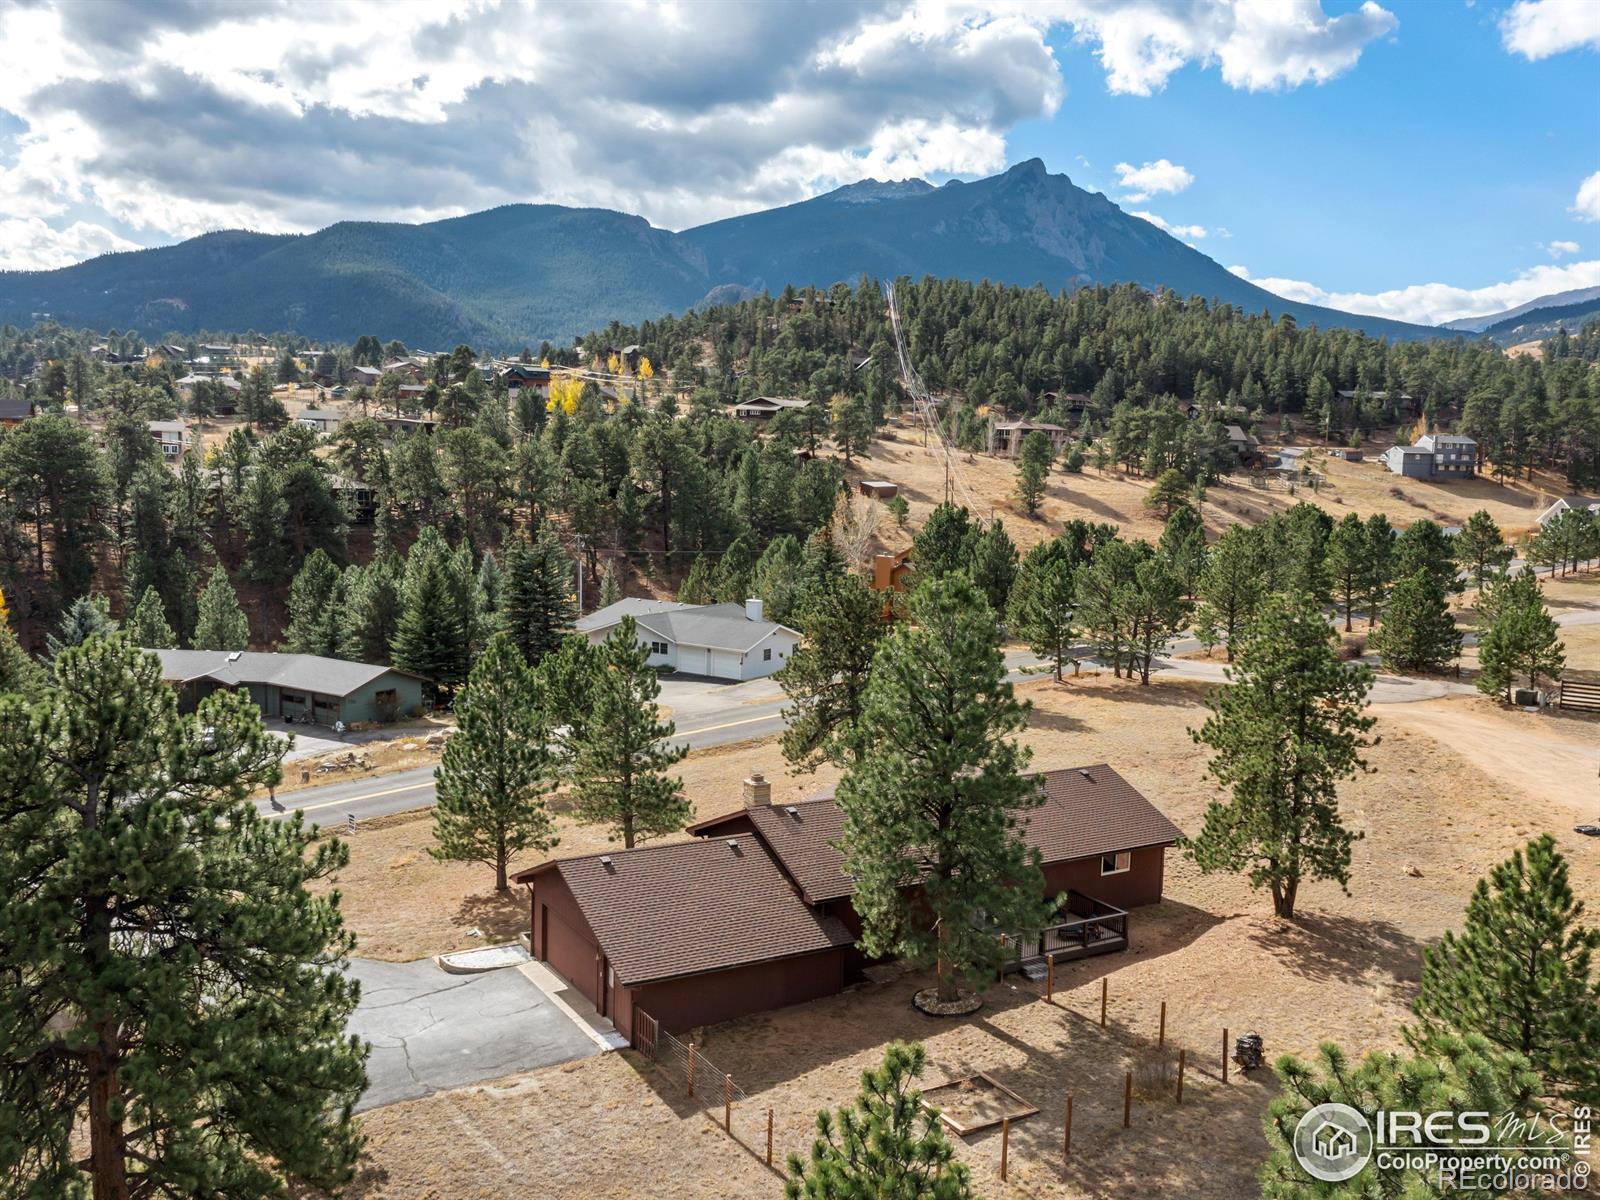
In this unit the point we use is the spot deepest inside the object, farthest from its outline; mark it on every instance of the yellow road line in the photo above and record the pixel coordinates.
(414, 787)
(726, 725)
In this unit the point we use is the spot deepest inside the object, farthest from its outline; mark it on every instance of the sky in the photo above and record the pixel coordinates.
(1424, 160)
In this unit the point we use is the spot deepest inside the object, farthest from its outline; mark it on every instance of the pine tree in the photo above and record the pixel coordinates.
(1042, 607)
(993, 565)
(86, 617)
(1169, 493)
(1424, 546)
(538, 605)
(429, 638)
(1480, 548)
(221, 624)
(621, 753)
(1347, 562)
(1153, 610)
(1380, 565)
(1418, 631)
(935, 796)
(887, 1144)
(315, 603)
(826, 677)
(1282, 735)
(184, 1026)
(1032, 471)
(1521, 974)
(1231, 586)
(147, 626)
(610, 589)
(19, 674)
(1183, 547)
(945, 543)
(779, 578)
(371, 611)
(496, 771)
(1519, 638)
(698, 586)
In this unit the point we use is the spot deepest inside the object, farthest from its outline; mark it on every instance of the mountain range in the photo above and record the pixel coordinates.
(525, 273)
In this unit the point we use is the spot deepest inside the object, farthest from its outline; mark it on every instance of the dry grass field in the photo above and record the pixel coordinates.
(1434, 818)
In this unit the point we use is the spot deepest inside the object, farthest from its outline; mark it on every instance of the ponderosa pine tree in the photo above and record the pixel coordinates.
(315, 604)
(1347, 563)
(1480, 548)
(826, 676)
(147, 625)
(1152, 609)
(221, 624)
(888, 1144)
(1418, 632)
(621, 749)
(1033, 468)
(1521, 974)
(1182, 547)
(537, 606)
(1520, 639)
(930, 809)
(610, 589)
(1231, 586)
(429, 639)
(1043, 604)
(993, 565)
(1379, 566)
(945, 542)
(174, 1016)
(1424, 546)
(1286, 730)
(497, 769)
(19, 673)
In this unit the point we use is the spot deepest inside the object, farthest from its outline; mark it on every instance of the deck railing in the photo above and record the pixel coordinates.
(1095, 926)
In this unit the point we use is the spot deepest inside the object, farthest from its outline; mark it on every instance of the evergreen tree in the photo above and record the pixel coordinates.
(610, 589)
(779, 579)
(491, 594)
(1520, 974)
(826, 676)
(1282, 735)
(888, 1144)
(1418, 631)
(621, 753)
(1424, 546)
(1169, 493)
(945, 542)
(699, 585)
(1380, 565)
(86, 617)
(1032, 470)
(148, 627)
(19, 674)
(1103, 611)
(1231, 586)
(371, 612)
(1480, 548)
(538, 605)
(1347, 562)
(1042, 606)
(931, 806)
(221, 624)
(315, 605)
(993, 565)
(1519, 639)
(429, 638)
(496, 771)
(1183, 547)
(182, 1023)
(1153, 610)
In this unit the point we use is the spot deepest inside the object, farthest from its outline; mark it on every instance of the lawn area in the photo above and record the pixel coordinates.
(1434, 818)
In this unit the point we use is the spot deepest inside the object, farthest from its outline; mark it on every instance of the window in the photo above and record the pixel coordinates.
(766, 655)
(386, 696)
(292, 697)
(658, 647)
(1117, 863)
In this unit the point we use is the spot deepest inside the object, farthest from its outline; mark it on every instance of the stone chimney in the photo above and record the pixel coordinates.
(752, 609)
(757, 791)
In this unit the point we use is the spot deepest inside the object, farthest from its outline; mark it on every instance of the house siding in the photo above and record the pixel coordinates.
(695, 1000)
(1139, 885)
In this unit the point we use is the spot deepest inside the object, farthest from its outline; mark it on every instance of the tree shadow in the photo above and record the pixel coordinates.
(1326, 946)
(500, 915)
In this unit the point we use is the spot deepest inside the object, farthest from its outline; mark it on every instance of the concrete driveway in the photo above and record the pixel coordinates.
(431, 1030)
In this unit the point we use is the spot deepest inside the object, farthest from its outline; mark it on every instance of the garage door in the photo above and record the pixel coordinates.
(570, 955)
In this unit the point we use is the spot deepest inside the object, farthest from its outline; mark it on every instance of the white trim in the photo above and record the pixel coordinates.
(1116, 856)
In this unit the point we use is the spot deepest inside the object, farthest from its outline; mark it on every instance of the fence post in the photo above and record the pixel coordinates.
(1180, 1076)
(1050, 978)
(1224, 1054)
(1127, 1098)
(691, 1068)
(727, 1104)
(1161, 1037)
(1005, 1145)
(1066, 1138)
(769, 1137)
(1104, 984)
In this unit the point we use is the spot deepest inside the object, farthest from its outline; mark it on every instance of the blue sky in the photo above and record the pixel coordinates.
(1422, 159)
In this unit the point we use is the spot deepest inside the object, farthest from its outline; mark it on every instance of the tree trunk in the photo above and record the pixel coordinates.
(108, 1167)
(948, 992)
(627, 833)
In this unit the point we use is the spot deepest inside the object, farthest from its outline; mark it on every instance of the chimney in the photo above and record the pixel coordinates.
(752, 609)
(757, 790)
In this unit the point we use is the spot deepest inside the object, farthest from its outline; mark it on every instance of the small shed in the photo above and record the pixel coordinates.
(879, 489)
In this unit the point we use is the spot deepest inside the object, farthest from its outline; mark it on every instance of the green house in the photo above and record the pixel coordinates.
(294, 687)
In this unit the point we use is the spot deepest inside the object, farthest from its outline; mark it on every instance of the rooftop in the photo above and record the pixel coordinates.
(301, 672)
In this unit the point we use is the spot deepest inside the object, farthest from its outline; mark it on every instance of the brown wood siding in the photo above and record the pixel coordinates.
(1139, 885)
(681, 1004)
(562, 938)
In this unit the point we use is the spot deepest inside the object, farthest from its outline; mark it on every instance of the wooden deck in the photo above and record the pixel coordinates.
(1095, 927)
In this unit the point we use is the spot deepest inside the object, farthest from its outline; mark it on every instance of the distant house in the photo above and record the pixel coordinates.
(358, 498)
(414, 393)
(405, 368)
(757, 911)
(1243, 444)
(295, 687)
(519, 376)
(1006, 437)
(171, 436)
(14, 410)
(1568, 504)
(405, 425)
(323, 420)
(1434, 456)
(1405, 402)
(891, 572)
(764, 408)
(878, 489)
(723, 641)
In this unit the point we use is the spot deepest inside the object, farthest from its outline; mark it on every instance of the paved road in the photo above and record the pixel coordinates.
(708, 713)
(431, 1030)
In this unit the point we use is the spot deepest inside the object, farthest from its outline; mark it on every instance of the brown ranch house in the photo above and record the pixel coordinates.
(755, 912)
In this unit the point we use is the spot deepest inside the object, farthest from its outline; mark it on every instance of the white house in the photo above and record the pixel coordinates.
(171, 436)
(1566, 504)
(722, 641)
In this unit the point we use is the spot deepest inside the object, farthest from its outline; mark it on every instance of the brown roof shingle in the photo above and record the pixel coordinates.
(1087, 812)
(660, 912)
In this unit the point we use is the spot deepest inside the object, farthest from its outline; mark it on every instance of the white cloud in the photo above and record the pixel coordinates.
(1436, 303)
(1558, 249)
(28, 244)
(1537, 29)
(1151, 179)
(1177, 231)
(1586, 206)
(1260, 45)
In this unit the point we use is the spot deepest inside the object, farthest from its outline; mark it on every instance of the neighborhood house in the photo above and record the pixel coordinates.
(1006, 437)
(295, 687)
(764, 408)
(723, 641)
(1434, 456)
(755, 913)
(171, 436)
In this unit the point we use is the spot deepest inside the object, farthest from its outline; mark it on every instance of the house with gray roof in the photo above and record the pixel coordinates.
(296, 687)
(1434, 456)
(722, 641)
